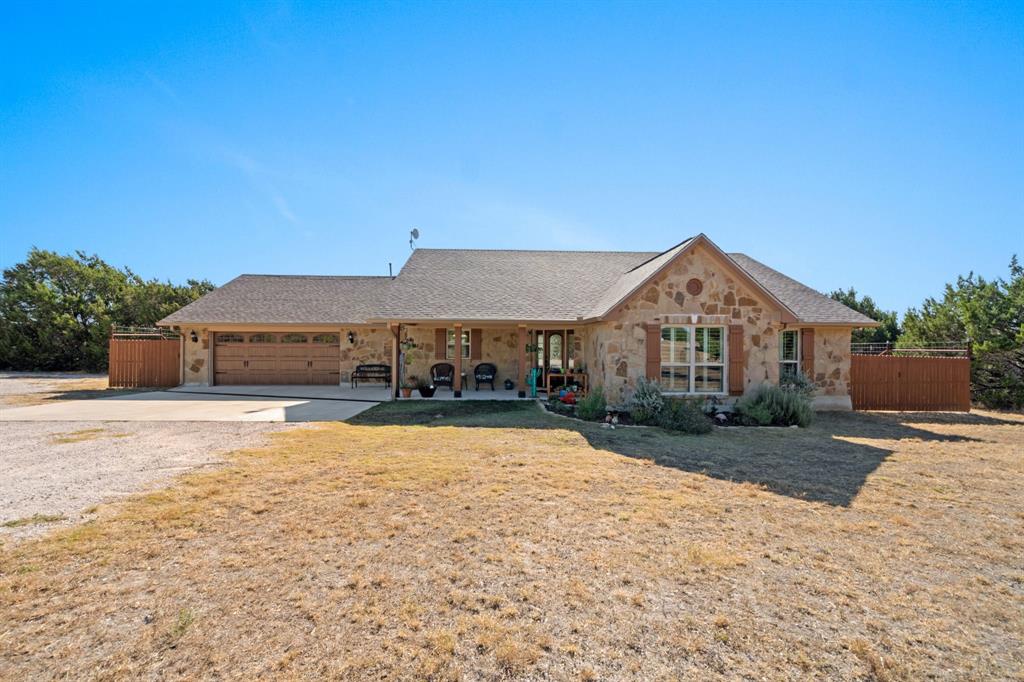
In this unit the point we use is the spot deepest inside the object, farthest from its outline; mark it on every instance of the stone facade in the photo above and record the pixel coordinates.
(197, 357)
(499, 346)
(616, 349)
(372, 346)
(832, 361)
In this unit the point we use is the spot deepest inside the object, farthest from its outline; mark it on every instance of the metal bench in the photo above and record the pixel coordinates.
(371, 373)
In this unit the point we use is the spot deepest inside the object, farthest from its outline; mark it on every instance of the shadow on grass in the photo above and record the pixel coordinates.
(815, 464)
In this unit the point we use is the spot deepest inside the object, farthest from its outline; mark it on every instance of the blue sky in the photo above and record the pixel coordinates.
(872, 145)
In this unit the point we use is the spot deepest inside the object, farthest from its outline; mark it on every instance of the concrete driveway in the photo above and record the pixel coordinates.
(222, 403)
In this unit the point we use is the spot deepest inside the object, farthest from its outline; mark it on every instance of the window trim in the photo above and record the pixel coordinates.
(798, 349)
(692, 364)
(449, 346)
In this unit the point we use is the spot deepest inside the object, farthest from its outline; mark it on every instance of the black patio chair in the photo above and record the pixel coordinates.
(443, 374)
(485, 373)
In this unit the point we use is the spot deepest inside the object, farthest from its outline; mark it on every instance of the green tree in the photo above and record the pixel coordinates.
(56, 311)
(889, 330)
(989, 314)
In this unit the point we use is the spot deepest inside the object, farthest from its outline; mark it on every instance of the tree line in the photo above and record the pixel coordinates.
(57, 311)
(986, 313)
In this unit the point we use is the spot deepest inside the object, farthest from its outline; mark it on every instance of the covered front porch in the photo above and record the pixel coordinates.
(364, 393)
(518, 356)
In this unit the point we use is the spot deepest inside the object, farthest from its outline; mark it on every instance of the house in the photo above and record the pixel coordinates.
(700, 321)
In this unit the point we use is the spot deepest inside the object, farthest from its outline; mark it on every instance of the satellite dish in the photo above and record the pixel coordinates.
(414, 234)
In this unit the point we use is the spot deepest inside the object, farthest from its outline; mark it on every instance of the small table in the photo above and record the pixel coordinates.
(566, 379)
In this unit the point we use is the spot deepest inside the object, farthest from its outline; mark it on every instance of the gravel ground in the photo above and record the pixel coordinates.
(54, 472)
(62, 469)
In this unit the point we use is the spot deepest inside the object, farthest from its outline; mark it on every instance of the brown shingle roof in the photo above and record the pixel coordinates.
(808, 304)
(473, 284)
(480, 285)
(287, 299)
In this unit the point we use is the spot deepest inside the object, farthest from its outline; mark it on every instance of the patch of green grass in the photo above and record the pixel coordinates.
(33, 520)
(494, 413)
(179, 628)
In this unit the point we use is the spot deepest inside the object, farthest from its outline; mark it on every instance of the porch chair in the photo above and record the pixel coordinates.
(485, 373)
(443, 374)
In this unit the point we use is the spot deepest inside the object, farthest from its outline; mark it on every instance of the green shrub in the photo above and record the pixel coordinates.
(646, 402)
(683, 415)
(593, 406)
(797, 383)
(755, 414)
(772, 405)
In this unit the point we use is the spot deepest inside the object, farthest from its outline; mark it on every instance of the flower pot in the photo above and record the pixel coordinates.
(427, 391)
(406, 392)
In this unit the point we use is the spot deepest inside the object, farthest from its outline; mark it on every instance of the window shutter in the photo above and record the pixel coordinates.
(807, 352)
(476, 338)
(737, 359)
(653, 370)
(440, 343)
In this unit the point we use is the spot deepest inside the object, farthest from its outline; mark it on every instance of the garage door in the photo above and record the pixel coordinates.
(275, 358)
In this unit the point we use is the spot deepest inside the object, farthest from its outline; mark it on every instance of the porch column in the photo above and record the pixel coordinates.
(396, 331)
(457, 380)
(521, 337)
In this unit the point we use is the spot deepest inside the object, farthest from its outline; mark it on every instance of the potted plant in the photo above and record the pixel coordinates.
(408, 384)
(425, 388)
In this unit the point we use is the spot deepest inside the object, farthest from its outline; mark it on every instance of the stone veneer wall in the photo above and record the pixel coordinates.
(499, 347)
(197, 355)
(832, 361)
(372, 346)
(616, 349)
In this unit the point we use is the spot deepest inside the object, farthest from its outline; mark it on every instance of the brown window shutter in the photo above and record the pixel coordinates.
(653, 370)
(737, 359)
(440, 343)
(807, 352)
(476, 338)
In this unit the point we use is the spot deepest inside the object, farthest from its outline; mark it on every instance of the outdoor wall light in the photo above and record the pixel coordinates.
(351, 337)
(195, 337)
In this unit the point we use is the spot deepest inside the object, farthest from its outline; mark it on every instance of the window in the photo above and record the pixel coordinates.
(675, 359)
(789, 353)
(230, 338)
(325, 338)
(261, 338)
(693, 359)
(451, 344)
(294, 338)
(555, 352)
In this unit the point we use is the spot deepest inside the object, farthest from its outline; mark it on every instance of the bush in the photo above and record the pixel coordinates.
(797, 383)
(646, 402)
(593, 406)
(683, 415)
(772, 405)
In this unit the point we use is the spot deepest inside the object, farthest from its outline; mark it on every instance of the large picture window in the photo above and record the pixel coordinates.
(693, 359)
(789, 353)
(451, 344)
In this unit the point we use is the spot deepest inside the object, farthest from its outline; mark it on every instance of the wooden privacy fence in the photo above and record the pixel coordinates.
(144, 360)
(910, 383)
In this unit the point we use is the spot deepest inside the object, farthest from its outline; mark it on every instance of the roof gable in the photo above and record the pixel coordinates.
(631, 282)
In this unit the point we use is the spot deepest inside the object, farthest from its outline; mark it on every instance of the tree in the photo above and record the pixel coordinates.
(989, 314)
(57, 311)
(889, 329)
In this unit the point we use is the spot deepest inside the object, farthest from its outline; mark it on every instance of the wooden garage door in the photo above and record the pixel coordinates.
(276, 358)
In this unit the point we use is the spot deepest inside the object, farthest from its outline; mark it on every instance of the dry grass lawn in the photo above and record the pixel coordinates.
(498, 542)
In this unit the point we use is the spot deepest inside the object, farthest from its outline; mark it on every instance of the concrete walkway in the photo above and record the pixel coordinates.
(178, 405)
